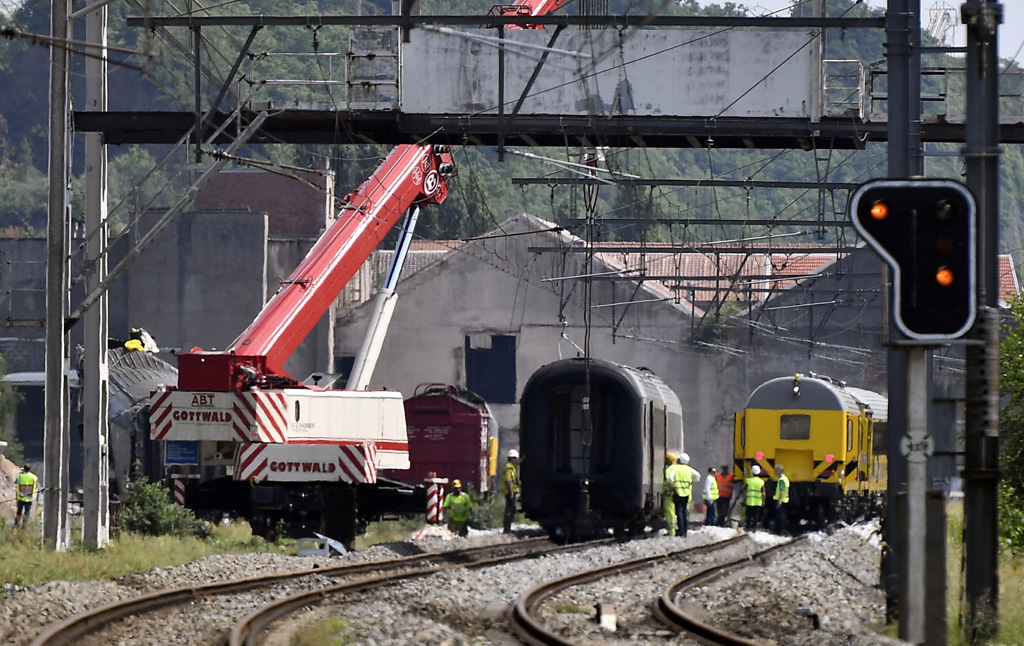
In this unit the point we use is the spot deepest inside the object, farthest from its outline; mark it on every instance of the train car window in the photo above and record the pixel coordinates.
(849, 434)
(579, 435)
(795, 427)
(743, 432)
(880, 437)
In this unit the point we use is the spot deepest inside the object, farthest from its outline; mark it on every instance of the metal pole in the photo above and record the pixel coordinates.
(900, 114)
(56, 436)
(95, 377)
(916, 447)
(981, 428)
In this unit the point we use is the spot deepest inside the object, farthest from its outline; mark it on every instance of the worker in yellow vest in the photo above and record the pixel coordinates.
(25, 486)
(668, 491)
(781, 498)
(510, 488)
(710, 497)
(458, 506)
(684, 480)
(754, 498)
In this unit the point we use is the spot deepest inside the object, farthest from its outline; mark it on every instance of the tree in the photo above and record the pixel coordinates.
(1011, 429)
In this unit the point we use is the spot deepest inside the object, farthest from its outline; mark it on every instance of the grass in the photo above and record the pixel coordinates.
(327, 632)
(23, 560)
(1011, 587)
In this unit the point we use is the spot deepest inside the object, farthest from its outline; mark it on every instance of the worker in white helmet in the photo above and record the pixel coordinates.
(685, 478)
(754, 499)
(510, 488)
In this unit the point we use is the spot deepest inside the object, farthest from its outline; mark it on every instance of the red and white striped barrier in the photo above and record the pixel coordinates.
(435, 494)
(179, 489)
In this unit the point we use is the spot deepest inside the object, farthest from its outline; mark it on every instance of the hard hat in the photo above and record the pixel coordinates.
(457, 484)
(756, 470)
(684, 458)
(512, 453)
(134, 344)
(670, 457)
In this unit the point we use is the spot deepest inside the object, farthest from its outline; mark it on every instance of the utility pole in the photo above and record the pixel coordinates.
(95, 377)
(56, 438)
(981, 429)
(904, 73)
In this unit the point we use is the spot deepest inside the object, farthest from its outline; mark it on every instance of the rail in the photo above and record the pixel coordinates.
(523, 614)
(668, 613)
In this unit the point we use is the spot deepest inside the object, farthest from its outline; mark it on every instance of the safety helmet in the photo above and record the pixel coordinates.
(670, 457)
(457, 484)
(684, 458)
(512, 453)
(756, 470)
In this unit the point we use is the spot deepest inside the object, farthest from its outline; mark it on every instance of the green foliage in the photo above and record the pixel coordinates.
(146, 508)
(489, 512)
(1011, 519)
(327, 632)
(1011, 430)
(25, 561)
(1011, 386)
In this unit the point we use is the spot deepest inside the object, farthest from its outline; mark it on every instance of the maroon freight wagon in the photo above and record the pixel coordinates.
(450, 431)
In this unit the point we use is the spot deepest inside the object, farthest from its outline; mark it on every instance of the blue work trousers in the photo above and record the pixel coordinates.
(683, 513)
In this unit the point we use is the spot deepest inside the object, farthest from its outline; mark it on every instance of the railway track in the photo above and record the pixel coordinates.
(667, 610)
(247, 631)
(266, 591)
(524, 616)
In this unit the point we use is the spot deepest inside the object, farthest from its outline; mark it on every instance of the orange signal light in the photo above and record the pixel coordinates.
(944, 276)
(879, 210)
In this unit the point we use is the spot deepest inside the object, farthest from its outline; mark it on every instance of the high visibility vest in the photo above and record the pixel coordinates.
(755, 487)
(509, 479)
(458, 505)
(713, 490)
(669, 486)
(782, 489)
(684, 480)
(26, 484)
(725, 483)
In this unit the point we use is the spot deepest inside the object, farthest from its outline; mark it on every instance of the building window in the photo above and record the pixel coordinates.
(491, 367)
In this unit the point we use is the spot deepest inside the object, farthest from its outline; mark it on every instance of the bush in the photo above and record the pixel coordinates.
(146, 509)
(1011, 519)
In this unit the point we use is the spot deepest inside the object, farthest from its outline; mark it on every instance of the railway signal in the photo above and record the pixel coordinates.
(925, 231)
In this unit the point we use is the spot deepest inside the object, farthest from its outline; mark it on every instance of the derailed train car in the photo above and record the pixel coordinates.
(594, 435)
(831, 440)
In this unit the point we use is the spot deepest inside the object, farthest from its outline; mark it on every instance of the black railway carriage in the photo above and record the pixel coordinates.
(594, 435)
(829, 438)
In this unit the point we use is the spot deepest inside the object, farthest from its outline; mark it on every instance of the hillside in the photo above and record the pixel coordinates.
(482, 194)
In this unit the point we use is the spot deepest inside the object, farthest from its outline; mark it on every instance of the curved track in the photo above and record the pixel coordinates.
(669, 614)
(524, 618)
(247, 631)
(74, 628)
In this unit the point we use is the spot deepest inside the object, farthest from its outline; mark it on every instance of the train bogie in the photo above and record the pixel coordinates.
(594, 436)
(829, 438)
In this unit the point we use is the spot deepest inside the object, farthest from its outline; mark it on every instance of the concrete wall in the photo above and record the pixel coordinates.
(736, 73)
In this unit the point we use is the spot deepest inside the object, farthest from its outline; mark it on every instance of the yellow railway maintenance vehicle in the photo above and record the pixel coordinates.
(829, 437)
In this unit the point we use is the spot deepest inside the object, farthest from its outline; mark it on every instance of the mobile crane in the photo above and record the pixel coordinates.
(285, 431)
(279, 429)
